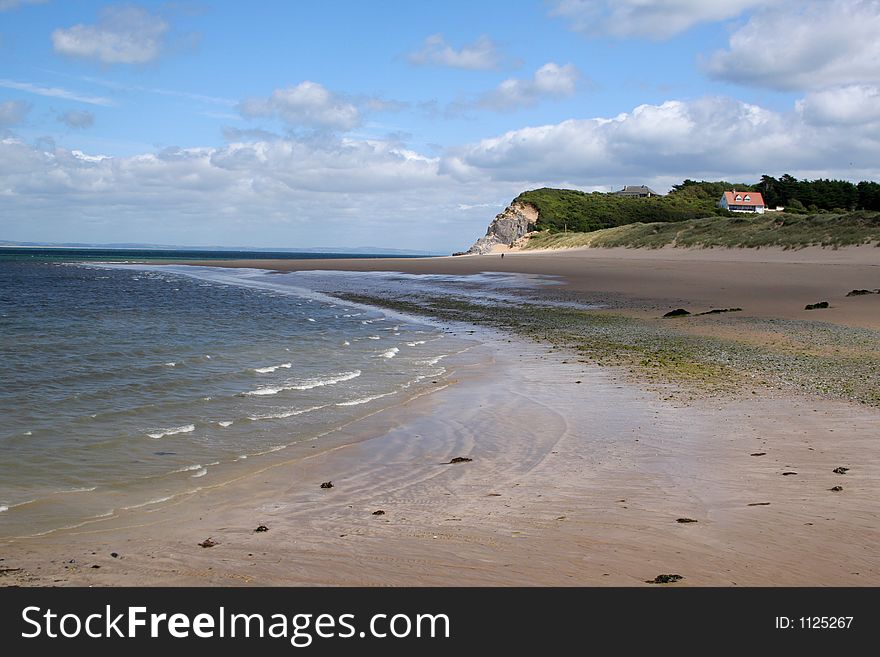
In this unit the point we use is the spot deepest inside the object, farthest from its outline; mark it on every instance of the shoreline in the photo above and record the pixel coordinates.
(767, 282)
(579, 477)
(545, 501)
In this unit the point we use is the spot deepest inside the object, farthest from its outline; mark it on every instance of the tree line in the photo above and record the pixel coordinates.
(573, 210)
(799, 196)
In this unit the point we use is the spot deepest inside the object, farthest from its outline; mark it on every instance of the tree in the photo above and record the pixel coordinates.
(869, 195)
(769, 188)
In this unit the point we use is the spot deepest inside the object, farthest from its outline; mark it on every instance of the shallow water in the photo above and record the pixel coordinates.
(126, 386)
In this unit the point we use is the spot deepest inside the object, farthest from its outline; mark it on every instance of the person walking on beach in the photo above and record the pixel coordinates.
(502, 256)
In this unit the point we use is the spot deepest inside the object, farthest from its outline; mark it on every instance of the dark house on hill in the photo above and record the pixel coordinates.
(637, 191)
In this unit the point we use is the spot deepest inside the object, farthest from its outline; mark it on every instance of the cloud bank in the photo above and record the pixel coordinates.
(804, 45)
(274, 186)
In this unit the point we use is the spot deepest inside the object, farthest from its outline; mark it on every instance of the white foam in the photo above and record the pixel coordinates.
(283, 414)
(271, 390)
(391, 353)
(207, 356)
(364, 400)
(188, 468)
(272, 368)
(373, 337)
(307, 385)
(309, 319)
(6, 507)
(227, 423)
(346, 344)
(161, 433)
(200, 473)
(171, 364)
(317, 383)
(413, 344)
(158, 500)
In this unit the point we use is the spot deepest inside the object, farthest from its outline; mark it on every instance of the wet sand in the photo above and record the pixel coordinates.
(578, 476)
(768, 282)
(570, 484)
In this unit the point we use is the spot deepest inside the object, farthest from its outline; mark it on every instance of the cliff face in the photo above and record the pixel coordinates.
(517, 220)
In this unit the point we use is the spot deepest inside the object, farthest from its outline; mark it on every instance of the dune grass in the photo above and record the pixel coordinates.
(788, 231)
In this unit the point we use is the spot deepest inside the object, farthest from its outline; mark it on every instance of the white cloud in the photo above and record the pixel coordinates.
(799, 45)
(482, 54)
(6, 5)
(307, 104)
(288, 192)
(77, 119)
(712, 137)
(653, 19)
(264, 189)
(13, 112)
(124, 35)
(55, 92)
(850, 105)
(551, 80)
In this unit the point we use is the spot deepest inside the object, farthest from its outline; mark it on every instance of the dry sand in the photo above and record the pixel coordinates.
(764, 282)
(578, 477)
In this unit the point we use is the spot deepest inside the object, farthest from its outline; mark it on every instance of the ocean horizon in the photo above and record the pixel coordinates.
(126, 254)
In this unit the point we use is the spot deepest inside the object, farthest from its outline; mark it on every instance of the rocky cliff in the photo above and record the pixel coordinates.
(517, 220)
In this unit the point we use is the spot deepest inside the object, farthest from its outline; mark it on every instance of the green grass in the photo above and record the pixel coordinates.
(565, 209)
(772, 229)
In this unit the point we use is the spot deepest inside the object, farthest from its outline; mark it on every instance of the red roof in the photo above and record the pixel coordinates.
(743, 198)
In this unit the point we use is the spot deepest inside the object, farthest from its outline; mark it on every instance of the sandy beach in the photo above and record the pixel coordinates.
(770, 282)
(580, 474)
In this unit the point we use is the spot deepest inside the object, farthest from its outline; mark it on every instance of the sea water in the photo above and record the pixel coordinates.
(129, 386)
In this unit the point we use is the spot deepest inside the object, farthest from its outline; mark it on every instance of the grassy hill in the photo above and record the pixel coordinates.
(785, 230)
(566, 209)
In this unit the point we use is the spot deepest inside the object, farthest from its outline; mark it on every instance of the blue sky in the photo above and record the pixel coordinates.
(408, 124)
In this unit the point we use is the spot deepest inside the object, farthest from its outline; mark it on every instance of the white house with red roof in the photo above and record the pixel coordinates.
(742, 202)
